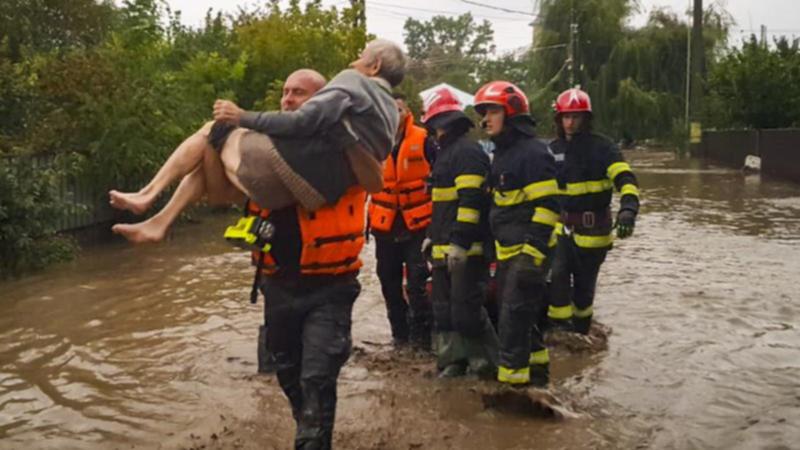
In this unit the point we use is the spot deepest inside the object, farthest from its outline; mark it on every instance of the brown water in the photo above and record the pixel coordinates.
(154, 347)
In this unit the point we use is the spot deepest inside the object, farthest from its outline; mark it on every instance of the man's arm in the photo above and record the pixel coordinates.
(542, 194)
(319, 113)
(472, 168)
(619, 172)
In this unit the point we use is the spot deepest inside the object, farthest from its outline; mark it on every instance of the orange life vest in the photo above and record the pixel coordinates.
(404, 185)
(332, 236)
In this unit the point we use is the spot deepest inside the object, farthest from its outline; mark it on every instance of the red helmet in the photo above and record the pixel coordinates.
(503, 93)
(438, 102)
(572, 101)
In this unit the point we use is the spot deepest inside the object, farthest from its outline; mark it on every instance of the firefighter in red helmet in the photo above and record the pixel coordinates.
(589, 167)
(464, 338)
(523, 214)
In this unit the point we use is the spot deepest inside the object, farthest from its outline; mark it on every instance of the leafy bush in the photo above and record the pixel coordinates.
(30, 209)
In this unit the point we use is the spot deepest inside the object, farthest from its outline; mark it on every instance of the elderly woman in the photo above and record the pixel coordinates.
(309, 157)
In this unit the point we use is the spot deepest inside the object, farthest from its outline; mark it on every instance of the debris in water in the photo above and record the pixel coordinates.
(525, 401)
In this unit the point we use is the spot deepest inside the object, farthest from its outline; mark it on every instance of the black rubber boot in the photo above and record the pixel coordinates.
(540, 375)
(582, 324)
(559, 324)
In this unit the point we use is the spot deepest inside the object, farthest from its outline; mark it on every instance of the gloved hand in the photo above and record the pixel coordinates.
(626, 221)
(528, 273)
(456, 256)
(427, 243)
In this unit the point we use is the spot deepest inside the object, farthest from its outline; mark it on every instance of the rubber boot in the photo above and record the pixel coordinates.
(451, 355)
(540, 375)
(582, 324)
(559, 324)
(483, 352)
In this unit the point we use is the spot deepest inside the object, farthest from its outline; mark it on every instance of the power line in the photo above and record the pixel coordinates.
(513, 11)
(438, 11)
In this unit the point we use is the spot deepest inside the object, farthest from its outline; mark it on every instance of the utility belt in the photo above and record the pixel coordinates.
(587, 220)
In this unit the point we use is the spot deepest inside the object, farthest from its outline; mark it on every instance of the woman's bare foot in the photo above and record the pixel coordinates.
(140, 233)
(132, 201)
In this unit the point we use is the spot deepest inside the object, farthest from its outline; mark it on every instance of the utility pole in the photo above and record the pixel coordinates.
(763, 36)
(360, 8)
(573, 43)
(697, 71)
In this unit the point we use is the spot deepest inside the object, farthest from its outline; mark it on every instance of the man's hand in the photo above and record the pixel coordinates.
(626, 221)
(227, 111)
(427, 243)
(456, 256)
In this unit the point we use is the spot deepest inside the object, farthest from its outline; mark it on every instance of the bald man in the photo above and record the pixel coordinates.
(297, 89)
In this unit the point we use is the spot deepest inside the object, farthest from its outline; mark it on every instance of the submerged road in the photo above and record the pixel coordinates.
(154, 347)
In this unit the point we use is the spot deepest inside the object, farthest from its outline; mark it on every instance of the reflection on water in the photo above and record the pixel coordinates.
(135, 345)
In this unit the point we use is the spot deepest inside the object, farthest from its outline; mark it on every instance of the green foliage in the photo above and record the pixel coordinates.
(281, 41)
(113, 89)
(29, 209)
(756, 87)
(448, 49)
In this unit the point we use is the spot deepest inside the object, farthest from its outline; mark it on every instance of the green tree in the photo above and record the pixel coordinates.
(448, 49)
(756, 87)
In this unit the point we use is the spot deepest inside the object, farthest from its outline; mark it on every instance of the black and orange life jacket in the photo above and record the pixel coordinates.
(404, 185)
(331, 237)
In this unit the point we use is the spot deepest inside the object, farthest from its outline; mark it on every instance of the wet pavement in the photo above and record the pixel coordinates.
(154, 347)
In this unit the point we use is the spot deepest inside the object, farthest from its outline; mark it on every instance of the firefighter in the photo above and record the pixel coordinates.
(464, 339)
(523, 214)
(398, 218)
(589, 166)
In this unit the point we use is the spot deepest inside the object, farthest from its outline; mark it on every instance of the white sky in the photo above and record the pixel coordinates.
(385, 18)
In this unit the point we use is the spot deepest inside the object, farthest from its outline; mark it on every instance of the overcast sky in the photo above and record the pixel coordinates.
(385, 18)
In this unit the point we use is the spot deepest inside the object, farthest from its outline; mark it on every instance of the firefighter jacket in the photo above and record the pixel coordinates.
(524, 196)
(589, 167)
(404, 192)
(324, 242)
(460, 201)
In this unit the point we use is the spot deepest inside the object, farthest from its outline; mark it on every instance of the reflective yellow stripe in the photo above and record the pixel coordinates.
(559, 229)
(629, 189)
(538, 257)
(559, 312)
(616, 169)
(589, 187)
(593, 241)
(509, 198)
(545, 217)
(468, 215)
(540, 189)
(504, 253)
(444, 194)
(507, 252)
(469, 181)
(441, 251)
(584, 313)
(540, 357)
(514, 376)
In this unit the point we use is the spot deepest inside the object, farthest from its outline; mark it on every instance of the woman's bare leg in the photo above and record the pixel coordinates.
(190, 190)
(186, 157)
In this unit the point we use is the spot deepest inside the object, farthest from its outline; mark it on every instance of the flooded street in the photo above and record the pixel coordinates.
(155, 347)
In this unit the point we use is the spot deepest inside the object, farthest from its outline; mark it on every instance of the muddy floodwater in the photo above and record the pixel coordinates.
(155, 347)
